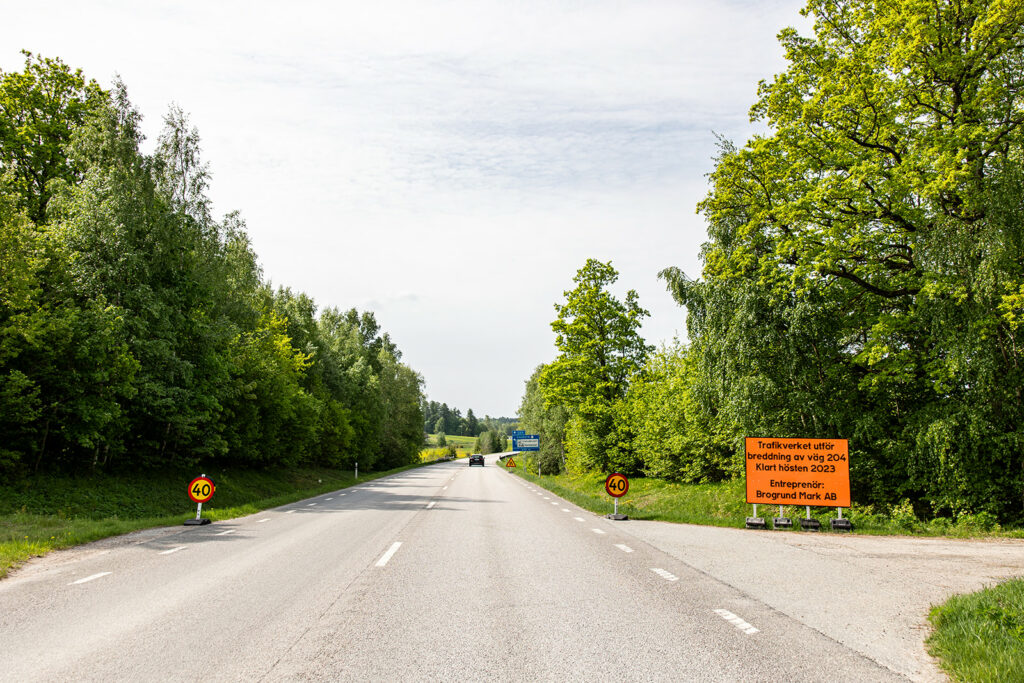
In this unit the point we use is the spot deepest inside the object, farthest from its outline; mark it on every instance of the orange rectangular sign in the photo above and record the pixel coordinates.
(798, 471)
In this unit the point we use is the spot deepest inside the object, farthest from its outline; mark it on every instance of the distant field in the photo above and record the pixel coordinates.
(463, 443)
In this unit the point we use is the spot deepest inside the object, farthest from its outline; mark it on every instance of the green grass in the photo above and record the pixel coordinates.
(980, 636)
(45, 513)
(464, 444)
(722, 504)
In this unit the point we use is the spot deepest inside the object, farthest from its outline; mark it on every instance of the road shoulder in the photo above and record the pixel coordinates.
(870, 593)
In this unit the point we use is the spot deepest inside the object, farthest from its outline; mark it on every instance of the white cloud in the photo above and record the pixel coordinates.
(448, 164)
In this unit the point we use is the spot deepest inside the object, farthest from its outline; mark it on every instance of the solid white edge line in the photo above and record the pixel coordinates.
(89, 578)
(387, 556)
(173, 550)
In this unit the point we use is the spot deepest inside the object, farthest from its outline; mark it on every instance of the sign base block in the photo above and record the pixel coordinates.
(196, 522)
(841, 525)
(782, 523)
(810, 524)
(616, 516)
(756, 523)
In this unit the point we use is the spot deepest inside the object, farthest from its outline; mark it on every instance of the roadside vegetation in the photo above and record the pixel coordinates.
(980, 637)
(863, 279)
(722, 504)
(49, 512)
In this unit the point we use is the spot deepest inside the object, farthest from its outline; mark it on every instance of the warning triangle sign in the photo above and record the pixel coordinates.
(510, 463)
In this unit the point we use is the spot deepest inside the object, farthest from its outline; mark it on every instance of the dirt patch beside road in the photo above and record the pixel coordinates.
(870, 593)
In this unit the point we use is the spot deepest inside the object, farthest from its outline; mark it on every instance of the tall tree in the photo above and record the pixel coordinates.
(600, 348)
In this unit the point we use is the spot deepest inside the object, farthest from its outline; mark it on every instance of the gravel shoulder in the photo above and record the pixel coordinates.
(870, 593)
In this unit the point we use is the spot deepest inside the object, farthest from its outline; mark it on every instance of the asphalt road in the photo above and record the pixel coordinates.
(445, 572)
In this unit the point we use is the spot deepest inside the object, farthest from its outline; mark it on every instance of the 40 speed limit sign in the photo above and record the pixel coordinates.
(201, 489)
(616, 485)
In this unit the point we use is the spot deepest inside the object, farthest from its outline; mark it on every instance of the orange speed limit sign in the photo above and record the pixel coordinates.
(616, 485)
(200, 489)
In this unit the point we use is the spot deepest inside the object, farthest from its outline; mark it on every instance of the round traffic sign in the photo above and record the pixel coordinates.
(616, 485)
(201, 489)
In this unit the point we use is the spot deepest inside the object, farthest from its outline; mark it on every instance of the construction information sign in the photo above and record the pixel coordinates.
(798, 471)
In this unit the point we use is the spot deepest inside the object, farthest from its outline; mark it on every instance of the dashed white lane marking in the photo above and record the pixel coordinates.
(265, 519)
(623, 547)
(546, 498)
(90, 578)
(331, 498)
(598, 531)
(387, 556)
(173, 550)
(431, 504)
(578, 519)
(554, 502)
(667, 575)
(310, 505)
(565, 509)
(444, 488)
(341, 494)
(290, 512)
(736, 621)
(225, 533)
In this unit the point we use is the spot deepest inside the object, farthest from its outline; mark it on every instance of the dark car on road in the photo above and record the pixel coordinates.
(476, 459)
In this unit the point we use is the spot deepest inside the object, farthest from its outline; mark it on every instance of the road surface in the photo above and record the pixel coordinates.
(446, 572)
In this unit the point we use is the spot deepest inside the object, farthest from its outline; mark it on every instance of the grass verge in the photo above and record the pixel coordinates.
(980, 636)
(722, 504)
(45, 513)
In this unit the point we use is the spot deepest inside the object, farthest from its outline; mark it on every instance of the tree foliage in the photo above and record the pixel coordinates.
(137, 330)
(600, 349)
(863, 272)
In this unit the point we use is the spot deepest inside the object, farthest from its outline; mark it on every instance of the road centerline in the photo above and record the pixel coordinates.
(90, 578)
(388, 555)
(173, 550)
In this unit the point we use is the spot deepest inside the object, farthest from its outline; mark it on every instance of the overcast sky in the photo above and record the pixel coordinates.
(446, 164)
